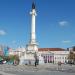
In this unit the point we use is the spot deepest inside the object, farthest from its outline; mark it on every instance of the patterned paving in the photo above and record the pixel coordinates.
(20, 68)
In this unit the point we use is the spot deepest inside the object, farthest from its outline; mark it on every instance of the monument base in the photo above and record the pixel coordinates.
(28, 59)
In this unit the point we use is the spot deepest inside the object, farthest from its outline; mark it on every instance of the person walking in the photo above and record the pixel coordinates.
(59, 66)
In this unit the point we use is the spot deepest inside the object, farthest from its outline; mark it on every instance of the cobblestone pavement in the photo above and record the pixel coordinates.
(40, 68)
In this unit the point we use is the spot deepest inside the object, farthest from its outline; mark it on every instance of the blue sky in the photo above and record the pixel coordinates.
(55, 23)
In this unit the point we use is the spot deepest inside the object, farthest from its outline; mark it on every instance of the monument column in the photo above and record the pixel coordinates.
(31, 54)
(32, 46)
(33, 14)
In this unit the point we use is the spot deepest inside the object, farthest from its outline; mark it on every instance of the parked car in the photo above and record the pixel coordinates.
(4, 62)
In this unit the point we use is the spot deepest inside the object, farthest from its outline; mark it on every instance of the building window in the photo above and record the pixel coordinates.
(55, 57)
(44, 56)
(62, 57)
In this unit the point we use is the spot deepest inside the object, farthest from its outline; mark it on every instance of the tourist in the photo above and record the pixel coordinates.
(59, 66)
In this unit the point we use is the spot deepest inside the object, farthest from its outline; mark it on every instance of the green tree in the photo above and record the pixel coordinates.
(71, 57)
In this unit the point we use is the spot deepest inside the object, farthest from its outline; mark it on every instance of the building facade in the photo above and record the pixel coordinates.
(50, 55)
(54, 55)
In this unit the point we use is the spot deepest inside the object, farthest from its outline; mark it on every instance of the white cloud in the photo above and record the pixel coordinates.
(2, 32)
(63, 23)
(66, 41)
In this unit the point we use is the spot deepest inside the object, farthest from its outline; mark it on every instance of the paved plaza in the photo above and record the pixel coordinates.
(47, 69)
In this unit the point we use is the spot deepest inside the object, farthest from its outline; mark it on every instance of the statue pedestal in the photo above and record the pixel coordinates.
(29, 58)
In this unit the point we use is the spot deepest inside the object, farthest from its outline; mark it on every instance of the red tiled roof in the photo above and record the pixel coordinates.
(51, 49)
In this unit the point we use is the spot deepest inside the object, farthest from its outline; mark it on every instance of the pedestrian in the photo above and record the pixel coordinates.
(35, 63)
(59, 66)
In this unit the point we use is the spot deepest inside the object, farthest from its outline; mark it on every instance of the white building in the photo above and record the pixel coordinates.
(19, 51)
(50, 55)
(61, 56)
(54, 55)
